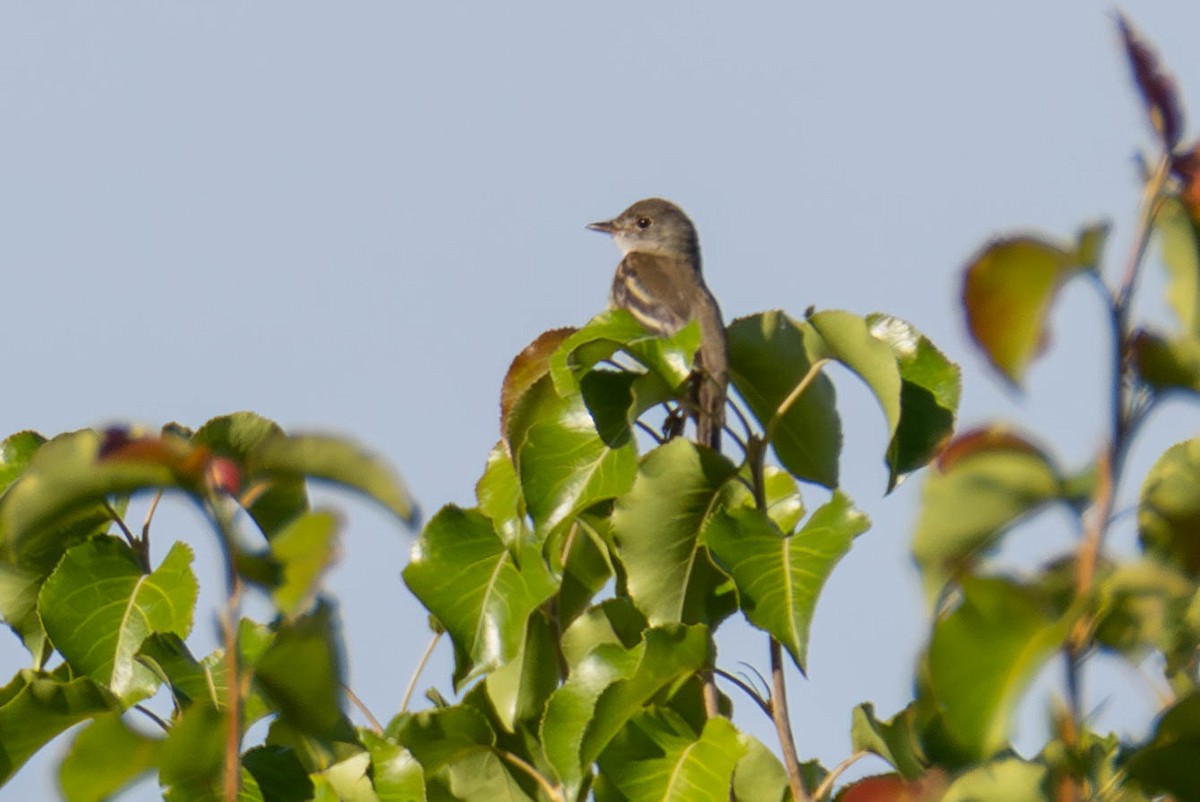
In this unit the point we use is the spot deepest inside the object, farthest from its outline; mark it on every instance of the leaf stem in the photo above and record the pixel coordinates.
(549, 790)
(763, 704)
(229, 629)
(827, 784)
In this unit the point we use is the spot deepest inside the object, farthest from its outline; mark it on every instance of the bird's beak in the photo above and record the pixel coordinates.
(604, 227)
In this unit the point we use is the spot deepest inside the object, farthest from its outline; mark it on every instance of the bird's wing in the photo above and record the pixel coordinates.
(657, 290)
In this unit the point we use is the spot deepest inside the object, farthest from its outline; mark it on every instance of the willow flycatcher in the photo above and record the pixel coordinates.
(659, 282)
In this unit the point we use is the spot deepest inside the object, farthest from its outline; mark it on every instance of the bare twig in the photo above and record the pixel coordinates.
(783, 727)
(412, 682)
(550, 790)
(362, 708)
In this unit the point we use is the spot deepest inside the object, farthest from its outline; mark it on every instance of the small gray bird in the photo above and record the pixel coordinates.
(659, 282)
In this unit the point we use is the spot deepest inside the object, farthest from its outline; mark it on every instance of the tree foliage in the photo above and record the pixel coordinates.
(582, 592)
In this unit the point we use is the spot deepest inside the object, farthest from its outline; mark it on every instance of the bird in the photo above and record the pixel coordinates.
(659, 282)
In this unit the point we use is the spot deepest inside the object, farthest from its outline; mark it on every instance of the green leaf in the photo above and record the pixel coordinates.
(983, 655)
(758, 775)
(105, 756)
(1169, 507)
(657, 526)
(442, 735)
(19, 588)
(930, 389)
(846, 338)
(659, 757)
(778, 578)
(332, 459)
(398, 777)
(769, 354)
(15, 454)
(64, 487)
(193, 754)
(279, 773)
(469, 581)
(237, 436)
(1005, 780)
(614, 621)
(1180, 244)
(1167, 364)
(98, 607)
(305, 549)
(499, 495)
(36, 706)
(609, 687)
(347, 780)
(482, 775)
(669, 358)
(564, 465)
(1168, 762)
(986, 481)
(586, 568)
(301, 671)
(895, 741)
(519, 689)
(1008, 289)
(1143, 605)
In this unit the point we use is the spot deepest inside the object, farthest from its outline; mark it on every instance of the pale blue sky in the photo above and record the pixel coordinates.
(351, 216)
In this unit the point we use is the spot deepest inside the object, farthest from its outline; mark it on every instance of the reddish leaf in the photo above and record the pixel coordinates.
(1008, 289)
(894, 788)
(1156, 87)
(985, 438)
(528, 366)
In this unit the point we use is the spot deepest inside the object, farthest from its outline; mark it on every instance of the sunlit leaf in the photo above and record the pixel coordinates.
(758, 775)
(930, 388)
(499, 495)
(657, 527)
(670, 358)
(608, 688)
(1008, 290)
(482, 774)
(779, 578)
(1169, 507)
(397, 775)
(983, 655)
(565, 466)
(769, 354)
(462, 572)
(614, 621)
(519, 689)
(99, 606)
(663, 759)
(441, 735)
(846, 338)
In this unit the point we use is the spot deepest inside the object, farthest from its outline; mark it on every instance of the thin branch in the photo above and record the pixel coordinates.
(827, 784)
(549, 790)
(150, 714)
(362, 708)
(229, 629)
(120, 522)
(412, 683)
(737, 410)
(649, 430)
(763, 704)
(779, 713)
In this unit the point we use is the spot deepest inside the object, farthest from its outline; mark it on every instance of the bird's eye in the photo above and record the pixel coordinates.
(643, 222)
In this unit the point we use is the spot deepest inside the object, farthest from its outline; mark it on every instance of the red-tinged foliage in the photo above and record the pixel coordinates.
(528, 366)
(983, 439)
(1156, 87)
(894, 788)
